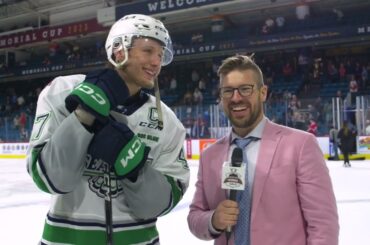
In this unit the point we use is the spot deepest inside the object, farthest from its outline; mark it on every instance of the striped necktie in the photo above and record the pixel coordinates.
(242, 227)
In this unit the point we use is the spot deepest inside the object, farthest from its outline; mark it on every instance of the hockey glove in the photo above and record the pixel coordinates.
(118, 146)
(101, 92)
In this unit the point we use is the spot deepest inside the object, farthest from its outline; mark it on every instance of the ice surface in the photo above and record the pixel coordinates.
(23, 207)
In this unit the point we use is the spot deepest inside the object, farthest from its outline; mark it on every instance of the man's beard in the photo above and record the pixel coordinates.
(247, 122)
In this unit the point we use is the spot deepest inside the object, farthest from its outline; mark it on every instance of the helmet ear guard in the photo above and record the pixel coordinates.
(124, 31)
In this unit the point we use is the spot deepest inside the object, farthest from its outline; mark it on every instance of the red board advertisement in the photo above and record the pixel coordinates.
(50, 33)
(204, 143)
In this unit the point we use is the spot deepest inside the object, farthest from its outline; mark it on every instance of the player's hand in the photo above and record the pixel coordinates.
(112, 85)
(100, 92)
(118, 146)
(226, 214)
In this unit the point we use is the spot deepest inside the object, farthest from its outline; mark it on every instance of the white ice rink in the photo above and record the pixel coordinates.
(23, 207)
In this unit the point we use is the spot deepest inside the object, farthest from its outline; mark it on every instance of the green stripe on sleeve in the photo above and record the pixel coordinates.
(176, 193)
(35, 173)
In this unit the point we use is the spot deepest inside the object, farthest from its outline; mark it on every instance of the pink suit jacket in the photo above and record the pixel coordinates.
(293, 201)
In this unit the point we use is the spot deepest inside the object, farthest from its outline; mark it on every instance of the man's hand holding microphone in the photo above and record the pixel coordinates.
(226, 213)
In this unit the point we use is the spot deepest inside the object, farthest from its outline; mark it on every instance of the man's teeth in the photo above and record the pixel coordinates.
(239, 108)
(150, 72)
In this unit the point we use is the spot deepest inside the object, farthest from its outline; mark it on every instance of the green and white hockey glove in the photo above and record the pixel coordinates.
(101, 92)
(118, 146)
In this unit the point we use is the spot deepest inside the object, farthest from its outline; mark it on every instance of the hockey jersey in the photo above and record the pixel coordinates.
(58, 163)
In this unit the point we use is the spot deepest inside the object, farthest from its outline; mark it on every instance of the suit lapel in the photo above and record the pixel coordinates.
(270, 139)
(223, 152)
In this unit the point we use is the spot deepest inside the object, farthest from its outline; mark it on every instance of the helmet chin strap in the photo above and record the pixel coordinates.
(158, 103)
(119, 65)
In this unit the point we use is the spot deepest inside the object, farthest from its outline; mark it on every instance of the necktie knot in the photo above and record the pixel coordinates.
(242, 143)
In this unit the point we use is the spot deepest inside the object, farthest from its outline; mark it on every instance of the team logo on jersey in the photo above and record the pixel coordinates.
(153, 120)
(181, 158)
(101, 181)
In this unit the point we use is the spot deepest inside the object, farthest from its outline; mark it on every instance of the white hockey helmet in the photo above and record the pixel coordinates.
(124, 31)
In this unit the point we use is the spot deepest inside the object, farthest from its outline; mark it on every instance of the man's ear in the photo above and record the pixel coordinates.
(119, 55)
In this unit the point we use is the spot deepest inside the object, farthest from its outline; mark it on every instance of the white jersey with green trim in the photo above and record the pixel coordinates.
(58, 163)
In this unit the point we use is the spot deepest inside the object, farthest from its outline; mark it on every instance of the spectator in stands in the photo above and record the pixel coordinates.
(270, 24)
(23, 135)
(350, 69)
(327, 112)
(188, 123)
(280, 22)
(197, 97)
(194, 78)
(294, 103)
(364, 76)
(313, 113)
(188, 98)
(317, 69)
(76, 51)
(298, 120)
(22, 121)
(353, 87)
(342, 72)
(204, 130)
(339, 94)
(202, 85)
(46, 61)
(303, 62)
(333, 139)
(312, 127)
(302, 10)
(264, 29)
(332, 72)
(173, 84)
(346, 138)
(53, 49)
(367, 129)
(288, 197)
(318, 108)
(195, 128)
(69, 54)
(339, 14)
(288, 72)
(269, 76)
(350, 100)
(20, 101)
(358, 70)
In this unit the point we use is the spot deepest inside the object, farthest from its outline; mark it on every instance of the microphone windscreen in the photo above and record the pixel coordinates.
(237, 157)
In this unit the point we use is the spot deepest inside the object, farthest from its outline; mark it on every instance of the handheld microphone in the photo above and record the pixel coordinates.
(236, 161)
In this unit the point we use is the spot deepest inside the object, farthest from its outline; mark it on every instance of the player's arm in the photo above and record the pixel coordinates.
(162, 183)
(58, 144)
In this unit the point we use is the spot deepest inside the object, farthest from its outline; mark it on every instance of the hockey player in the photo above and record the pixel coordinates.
(110, 154)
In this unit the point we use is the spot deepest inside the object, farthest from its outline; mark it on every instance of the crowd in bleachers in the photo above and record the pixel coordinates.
(17, 109)
(301, 81)
(298, 92)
